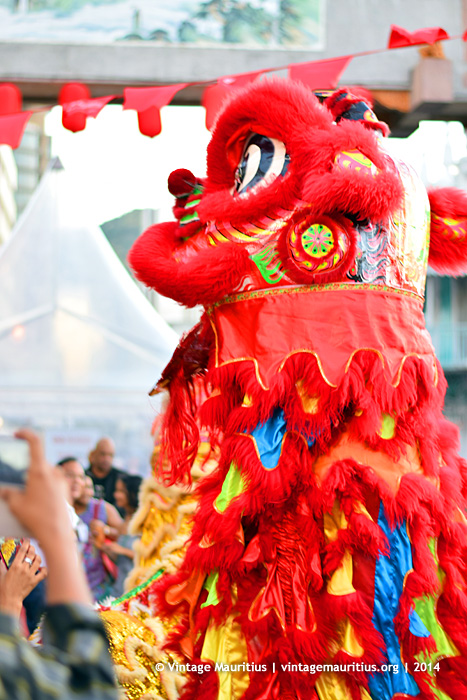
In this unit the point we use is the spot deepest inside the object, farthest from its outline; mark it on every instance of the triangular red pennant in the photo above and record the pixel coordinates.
(400, 37)
(239, 80)
(214, 96)
(12, 127)
(213, 100)
(320, 74)
(142, 99)
(90, 108)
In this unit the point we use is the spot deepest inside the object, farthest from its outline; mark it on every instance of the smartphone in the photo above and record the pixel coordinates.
(14, 460)
(14, 464)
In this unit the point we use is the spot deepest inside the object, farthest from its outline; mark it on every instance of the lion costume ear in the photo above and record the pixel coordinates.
(448, 230)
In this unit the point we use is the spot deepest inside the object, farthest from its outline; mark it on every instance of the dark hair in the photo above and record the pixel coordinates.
(132, 483)
(65, 460)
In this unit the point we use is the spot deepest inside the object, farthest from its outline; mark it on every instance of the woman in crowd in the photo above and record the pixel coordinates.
(104, 524)
(126, 498)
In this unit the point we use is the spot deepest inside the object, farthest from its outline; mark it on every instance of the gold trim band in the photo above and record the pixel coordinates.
(313, 288)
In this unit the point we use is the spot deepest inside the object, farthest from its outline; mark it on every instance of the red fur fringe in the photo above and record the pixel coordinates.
(263, 533)
(204, 279)
(184, 377)
(448, 243)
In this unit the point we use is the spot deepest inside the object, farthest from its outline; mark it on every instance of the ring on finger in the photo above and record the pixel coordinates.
(28, 560)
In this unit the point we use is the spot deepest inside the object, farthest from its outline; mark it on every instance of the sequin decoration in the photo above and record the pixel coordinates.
(372, 255)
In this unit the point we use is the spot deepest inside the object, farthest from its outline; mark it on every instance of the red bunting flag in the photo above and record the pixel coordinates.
(12, 127)
(320, 74)
(212, 100)
(90, 108)
(214, 96)
(241, 79)
(400, 37)
(77, 104)
(142, 99)
(148, 103)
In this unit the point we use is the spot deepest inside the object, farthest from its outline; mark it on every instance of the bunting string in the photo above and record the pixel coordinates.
(77, 103)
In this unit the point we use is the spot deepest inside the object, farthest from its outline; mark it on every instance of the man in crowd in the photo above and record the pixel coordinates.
(74, 661)
(101, 471)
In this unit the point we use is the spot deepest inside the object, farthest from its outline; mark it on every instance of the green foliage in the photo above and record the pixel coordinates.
(66, 6)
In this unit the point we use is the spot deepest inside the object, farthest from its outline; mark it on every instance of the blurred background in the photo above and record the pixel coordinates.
(81, 343)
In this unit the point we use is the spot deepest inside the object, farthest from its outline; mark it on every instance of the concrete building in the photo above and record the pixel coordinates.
(407, 87)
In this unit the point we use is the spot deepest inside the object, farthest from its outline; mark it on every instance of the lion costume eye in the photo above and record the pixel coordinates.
(262, 158)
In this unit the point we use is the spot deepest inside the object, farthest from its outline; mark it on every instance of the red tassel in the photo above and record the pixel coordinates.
(10, 99)
(149, 122)
(71, 92)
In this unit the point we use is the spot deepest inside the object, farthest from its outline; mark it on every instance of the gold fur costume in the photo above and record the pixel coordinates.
(136, 635)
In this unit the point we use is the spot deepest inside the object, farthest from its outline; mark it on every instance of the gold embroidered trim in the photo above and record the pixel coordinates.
(313, 288)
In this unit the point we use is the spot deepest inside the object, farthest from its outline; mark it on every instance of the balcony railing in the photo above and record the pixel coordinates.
(450, 341)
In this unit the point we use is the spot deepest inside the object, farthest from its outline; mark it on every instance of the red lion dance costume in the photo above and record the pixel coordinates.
(328, 557)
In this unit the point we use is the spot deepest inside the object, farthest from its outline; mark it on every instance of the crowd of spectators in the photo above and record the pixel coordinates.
(79, 553)
(73, 661)
(103, 498)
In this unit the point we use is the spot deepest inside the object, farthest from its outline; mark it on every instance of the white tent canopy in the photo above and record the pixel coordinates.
(80, 345)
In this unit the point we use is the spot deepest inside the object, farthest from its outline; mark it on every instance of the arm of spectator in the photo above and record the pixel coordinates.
(113, 549)
(97, 532)
(18, 581)
(74, 662)
(41, 508)
(114, 521)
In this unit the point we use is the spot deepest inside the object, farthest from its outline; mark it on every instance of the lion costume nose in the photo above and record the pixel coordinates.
(356, 161)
